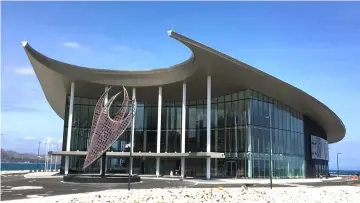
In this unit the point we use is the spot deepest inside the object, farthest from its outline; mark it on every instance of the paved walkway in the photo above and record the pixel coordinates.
(241, 181)
(203, 181)
(14, 172)
(43, 175)
(44, 184)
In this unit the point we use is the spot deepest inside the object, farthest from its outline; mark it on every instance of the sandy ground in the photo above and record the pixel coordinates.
(348, 194)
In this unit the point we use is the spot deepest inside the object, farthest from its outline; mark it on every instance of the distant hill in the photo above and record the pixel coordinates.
(9, 156)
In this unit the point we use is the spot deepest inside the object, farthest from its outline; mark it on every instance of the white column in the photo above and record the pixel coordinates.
(57, 149)
(183, 120)
(132, 134)
(216, 140)
(236, 137)
(71, 107)
(208, 130)
(105, 101)
(52, 149)
(249, 145)
(271, 143)
(225, 131)
(158, 132)
(46, 155)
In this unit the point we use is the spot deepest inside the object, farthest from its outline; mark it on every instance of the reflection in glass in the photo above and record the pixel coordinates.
(241, 124)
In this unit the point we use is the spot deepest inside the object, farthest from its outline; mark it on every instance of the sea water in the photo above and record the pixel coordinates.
(24, 166)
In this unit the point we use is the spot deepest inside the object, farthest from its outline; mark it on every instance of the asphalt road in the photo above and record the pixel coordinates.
(54, 186)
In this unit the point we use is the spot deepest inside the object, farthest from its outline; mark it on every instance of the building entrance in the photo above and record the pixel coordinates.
(231, 168)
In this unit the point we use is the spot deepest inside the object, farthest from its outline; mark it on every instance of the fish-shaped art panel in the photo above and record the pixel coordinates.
(106, 130)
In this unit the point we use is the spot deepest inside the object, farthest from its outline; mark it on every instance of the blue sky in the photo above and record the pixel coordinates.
(313, 45)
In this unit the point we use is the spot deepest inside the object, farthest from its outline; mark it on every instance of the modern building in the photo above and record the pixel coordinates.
(211, 115)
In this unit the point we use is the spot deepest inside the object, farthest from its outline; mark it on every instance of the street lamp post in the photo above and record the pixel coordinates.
(46, 156)
(271, 146)
(44, 142)
(38, 156)
(129, 178)
(57, 148)
(337, 162)
(51, 159)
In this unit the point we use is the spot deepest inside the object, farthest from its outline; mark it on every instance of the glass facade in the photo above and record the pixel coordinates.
(242, 125)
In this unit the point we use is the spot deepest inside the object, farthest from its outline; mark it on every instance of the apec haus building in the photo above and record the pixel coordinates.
(209, 116)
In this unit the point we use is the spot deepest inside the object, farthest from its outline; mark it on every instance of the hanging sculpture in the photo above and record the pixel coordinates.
(106, 130)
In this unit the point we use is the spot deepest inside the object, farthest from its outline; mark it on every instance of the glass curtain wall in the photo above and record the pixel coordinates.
(271, 119)
(241, 127)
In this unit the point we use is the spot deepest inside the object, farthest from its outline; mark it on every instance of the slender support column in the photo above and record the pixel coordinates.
(68, 143)
(226, 132)
(158, 132)
(208, 130)
(56, 157)
(183, 120)
(249, 146)
(46, 155)
(132, 135)
(52, 149)
(103, 162)
(216, 140)
(271, 147)
(236, 137)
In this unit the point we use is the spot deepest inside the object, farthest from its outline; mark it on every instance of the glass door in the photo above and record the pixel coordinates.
(231, 168)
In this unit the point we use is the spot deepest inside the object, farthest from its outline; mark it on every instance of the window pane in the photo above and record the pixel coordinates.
(234, 96)
(266, 114)
(248, 94)
(221, 99)
(228, 97)
(261, 114)
(213, 116)
(255, 117)
(247, 106)
(276, 115)
(221, 118)
(254, 95)
(289, 117)
(282, 117)
(192, 117)
(235, 114)
(241, 95)
(241, 113)
(228, 115)
(221, 141)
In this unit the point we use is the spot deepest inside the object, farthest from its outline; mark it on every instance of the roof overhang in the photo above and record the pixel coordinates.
(228, 76)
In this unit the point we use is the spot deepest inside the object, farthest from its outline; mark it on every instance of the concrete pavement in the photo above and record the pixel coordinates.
(41, 185)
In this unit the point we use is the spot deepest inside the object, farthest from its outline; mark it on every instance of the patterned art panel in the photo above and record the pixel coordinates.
(319, 148)
(106, 130)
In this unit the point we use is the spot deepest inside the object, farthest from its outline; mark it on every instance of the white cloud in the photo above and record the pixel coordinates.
(24, 71)
(30, 138)
(74, 45)
(122, 48)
